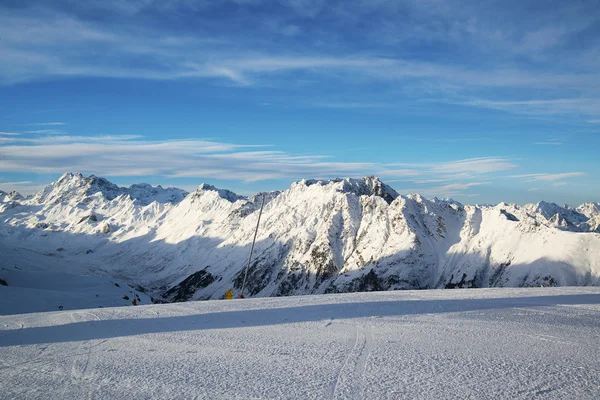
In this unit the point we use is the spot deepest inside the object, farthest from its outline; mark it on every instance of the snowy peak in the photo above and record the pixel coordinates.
(548, 210)
(223, 193)
(76, 187)
(563, 217)
(591, 210)
(146, 193)
(15, 196)
(371, 185)
(367, 186)
(257, 198)
(12, 196)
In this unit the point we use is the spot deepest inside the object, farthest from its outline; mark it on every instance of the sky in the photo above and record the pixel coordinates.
(479, 101)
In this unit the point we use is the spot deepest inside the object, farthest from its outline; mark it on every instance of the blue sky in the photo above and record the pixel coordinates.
(480, 101)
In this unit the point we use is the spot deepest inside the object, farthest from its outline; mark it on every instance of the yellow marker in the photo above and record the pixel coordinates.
(229, 294)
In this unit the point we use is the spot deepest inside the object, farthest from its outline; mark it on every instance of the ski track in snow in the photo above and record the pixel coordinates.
(489, 344)
(351, 381)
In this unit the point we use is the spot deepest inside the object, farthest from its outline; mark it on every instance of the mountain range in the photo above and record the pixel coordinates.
(318, 236)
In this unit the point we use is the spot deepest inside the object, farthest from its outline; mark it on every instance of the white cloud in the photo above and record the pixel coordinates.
(48, 123)
(9, 134)
(131, 155)
(460, 186)
(465, 168)
(563, 106)
(556, 184)
(449, 190)
(356, 105)
(549, 177)
(46, 131)
(23, 187)
(426, 181)
(20, 183)
(548, 143)
(532, 189)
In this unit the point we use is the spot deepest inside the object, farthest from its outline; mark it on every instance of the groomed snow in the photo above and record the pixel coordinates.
(476, 343)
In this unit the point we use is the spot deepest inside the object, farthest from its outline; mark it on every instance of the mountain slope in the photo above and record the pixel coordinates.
(315, 237)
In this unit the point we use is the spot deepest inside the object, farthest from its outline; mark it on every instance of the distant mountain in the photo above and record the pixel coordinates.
(77, 188)
(12, 196)
(318, 236)
(584, 218)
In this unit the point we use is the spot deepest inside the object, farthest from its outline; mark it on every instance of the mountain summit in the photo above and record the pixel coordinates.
(76, 187)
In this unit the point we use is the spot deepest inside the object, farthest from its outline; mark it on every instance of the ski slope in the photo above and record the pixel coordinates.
(475, 343)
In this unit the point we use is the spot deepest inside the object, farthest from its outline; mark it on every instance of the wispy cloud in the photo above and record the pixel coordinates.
(127, 156)
(356, 105)
(9, 134)
(23, 187)
(132, 155)
(548, 143)
(549, 177)
(467, 167)
(46, 131)
(47, 123)
(19, 183)
(449, 190)
(563, 106)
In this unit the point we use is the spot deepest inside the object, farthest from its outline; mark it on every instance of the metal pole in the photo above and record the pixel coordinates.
(252, 248)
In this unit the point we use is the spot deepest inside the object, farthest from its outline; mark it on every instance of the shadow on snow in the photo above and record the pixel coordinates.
(114, 328)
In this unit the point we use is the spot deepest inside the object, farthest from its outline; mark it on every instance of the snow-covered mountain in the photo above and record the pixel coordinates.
(12, 196)
(584, 218)
(315, 237)
(77, 188)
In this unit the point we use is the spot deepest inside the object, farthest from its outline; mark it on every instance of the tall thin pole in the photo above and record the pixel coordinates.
(262, 204)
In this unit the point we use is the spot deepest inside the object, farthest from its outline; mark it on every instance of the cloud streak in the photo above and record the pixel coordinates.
(549, 177)
(128, 156)
(48, 123)
(467, 167)
(131, 155)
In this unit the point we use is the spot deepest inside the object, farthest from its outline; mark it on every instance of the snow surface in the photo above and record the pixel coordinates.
(476, 343)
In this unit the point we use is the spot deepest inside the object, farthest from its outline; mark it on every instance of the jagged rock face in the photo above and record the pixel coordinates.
(367, 186)
(15, 196)
(10, 197)
(223, 193)
(315, 237)
(564, 217)
(187, 288)
(146, 194)
(76, 188)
